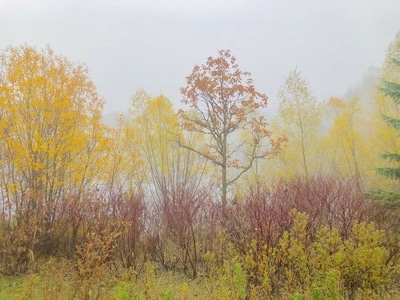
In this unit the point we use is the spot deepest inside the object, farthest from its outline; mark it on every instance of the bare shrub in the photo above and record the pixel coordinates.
(177, 219)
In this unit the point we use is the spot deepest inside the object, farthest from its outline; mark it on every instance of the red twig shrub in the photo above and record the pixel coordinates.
(263, 215)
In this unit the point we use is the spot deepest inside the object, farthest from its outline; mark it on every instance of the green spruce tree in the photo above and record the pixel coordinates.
(392, 90)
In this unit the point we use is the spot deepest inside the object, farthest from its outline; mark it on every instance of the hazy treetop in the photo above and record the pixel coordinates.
(153, 44)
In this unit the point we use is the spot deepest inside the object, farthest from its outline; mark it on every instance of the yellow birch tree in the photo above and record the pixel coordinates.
(52, 139)
(344, 144)
(299, 119)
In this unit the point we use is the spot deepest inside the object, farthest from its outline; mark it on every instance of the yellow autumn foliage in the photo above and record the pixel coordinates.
(52, 139)
(344, 146)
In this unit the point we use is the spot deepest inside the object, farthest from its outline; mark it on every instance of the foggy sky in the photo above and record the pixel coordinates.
(154, 44)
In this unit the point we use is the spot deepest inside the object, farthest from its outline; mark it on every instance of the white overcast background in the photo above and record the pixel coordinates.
(154, 44)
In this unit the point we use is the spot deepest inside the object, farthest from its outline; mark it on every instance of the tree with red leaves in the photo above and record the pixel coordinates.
(224, 109)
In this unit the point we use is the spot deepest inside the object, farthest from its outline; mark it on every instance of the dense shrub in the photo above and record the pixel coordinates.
(306, 239)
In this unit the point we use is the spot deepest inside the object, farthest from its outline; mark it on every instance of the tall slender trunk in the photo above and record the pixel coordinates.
(224, 190)
(304, 159)
(359, 180)
(224, 183)
(224, 159)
